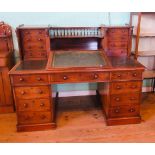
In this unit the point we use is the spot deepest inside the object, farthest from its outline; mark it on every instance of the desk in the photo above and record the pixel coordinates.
(119, 81)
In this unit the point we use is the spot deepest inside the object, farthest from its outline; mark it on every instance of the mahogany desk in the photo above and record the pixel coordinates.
(119, 77)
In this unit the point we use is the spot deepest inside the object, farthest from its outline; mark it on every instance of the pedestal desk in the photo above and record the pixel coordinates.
(59, 55)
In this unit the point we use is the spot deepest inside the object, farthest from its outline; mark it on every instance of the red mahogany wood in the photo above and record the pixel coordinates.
(6, 63)
(31, 78)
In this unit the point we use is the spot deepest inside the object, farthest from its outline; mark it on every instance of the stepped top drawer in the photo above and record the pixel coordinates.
(29, 79)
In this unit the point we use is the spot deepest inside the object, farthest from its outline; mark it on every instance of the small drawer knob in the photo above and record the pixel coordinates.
(41, 47)
(118, 87)
(95, 76)
(117, 99)
(133, 86)
(43, 116)
(27, 32)
(22, 92)
(38, 79)
(21, 79)
(42, 104)
(134, 74)
(65, 77)
(132, 98)
(39, 39)
(28, 39)
(119, 75)
(40, 92)
(117, 110)
(132, 110)
(25, 105)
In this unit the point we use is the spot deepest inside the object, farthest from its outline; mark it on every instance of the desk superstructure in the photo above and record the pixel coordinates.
(54, 55)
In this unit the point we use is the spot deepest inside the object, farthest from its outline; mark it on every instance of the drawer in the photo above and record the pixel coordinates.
(79, 77)
(34, 54)
(27, 39)
(33, 32)
(118, 31)
(34, 105)
(30, 79)
(35, 46)
(124, 111)
(117, 38)
(32, 92)
(117, 52)
(126, 75)
(124, 99)
(34, 117)
(118, 44)
(126, 87)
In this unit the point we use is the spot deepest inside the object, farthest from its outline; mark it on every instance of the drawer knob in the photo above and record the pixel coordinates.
(119, 75)
(39, 39)
(118, 87)
(132, 110)
(25, 105)
(42, 104)
(133, 86)
(116, 110)
(117, 99)
(40, 92)
(95, 76)
(39, 79)
(132, 98)
(28, 39)
(41, 47)
(27, 32)
(22, 92)
(43, 116)
(21, 79)
(65, 77)
(134, 74)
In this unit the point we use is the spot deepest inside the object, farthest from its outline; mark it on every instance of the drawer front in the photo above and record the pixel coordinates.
(120, 38)
(33, 32)
(34, 105)
(34, 39)
(117, 52)
(35, 46)
(118, 31)
(32, 92)
(132, 75)
(125, 111)
(124, 99)
(125, 87)
(30, 79)
(79, 77)
(114, 44)
(34, 54)
(34, 117)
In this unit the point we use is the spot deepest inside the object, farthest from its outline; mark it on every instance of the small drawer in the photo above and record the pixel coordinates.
(33, 39)
(130, 75)
(79, 77)
(124, 99)
(118, 44)
(35, 46)
(33, 32)
(118, 31)
(32, 92)
(33, 54)
(30, 79)
(124, 111)
(34, 105)
(126, 87)
(117, 52)
(34, 117)
(120, 38)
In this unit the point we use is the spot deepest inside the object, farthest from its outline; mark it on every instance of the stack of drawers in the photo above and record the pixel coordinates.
(124, 97)
(117, 41)
(35, 109)
(34, 43)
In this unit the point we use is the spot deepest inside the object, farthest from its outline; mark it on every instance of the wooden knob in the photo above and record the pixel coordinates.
(21, 79)
(22, 92)
(132, 110)
(119, 75)
(43, 116)
(133, 86)
(27, 32)
(116, 110)
(118, 87)
(95, 76)
(40, 91)
(134, 74)
(25, 105)
(65, 77)
(132, 98)
(27, 39)
(39, 39)
(39, 79)
(117, 99)
(41, 47)
(42, 104)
